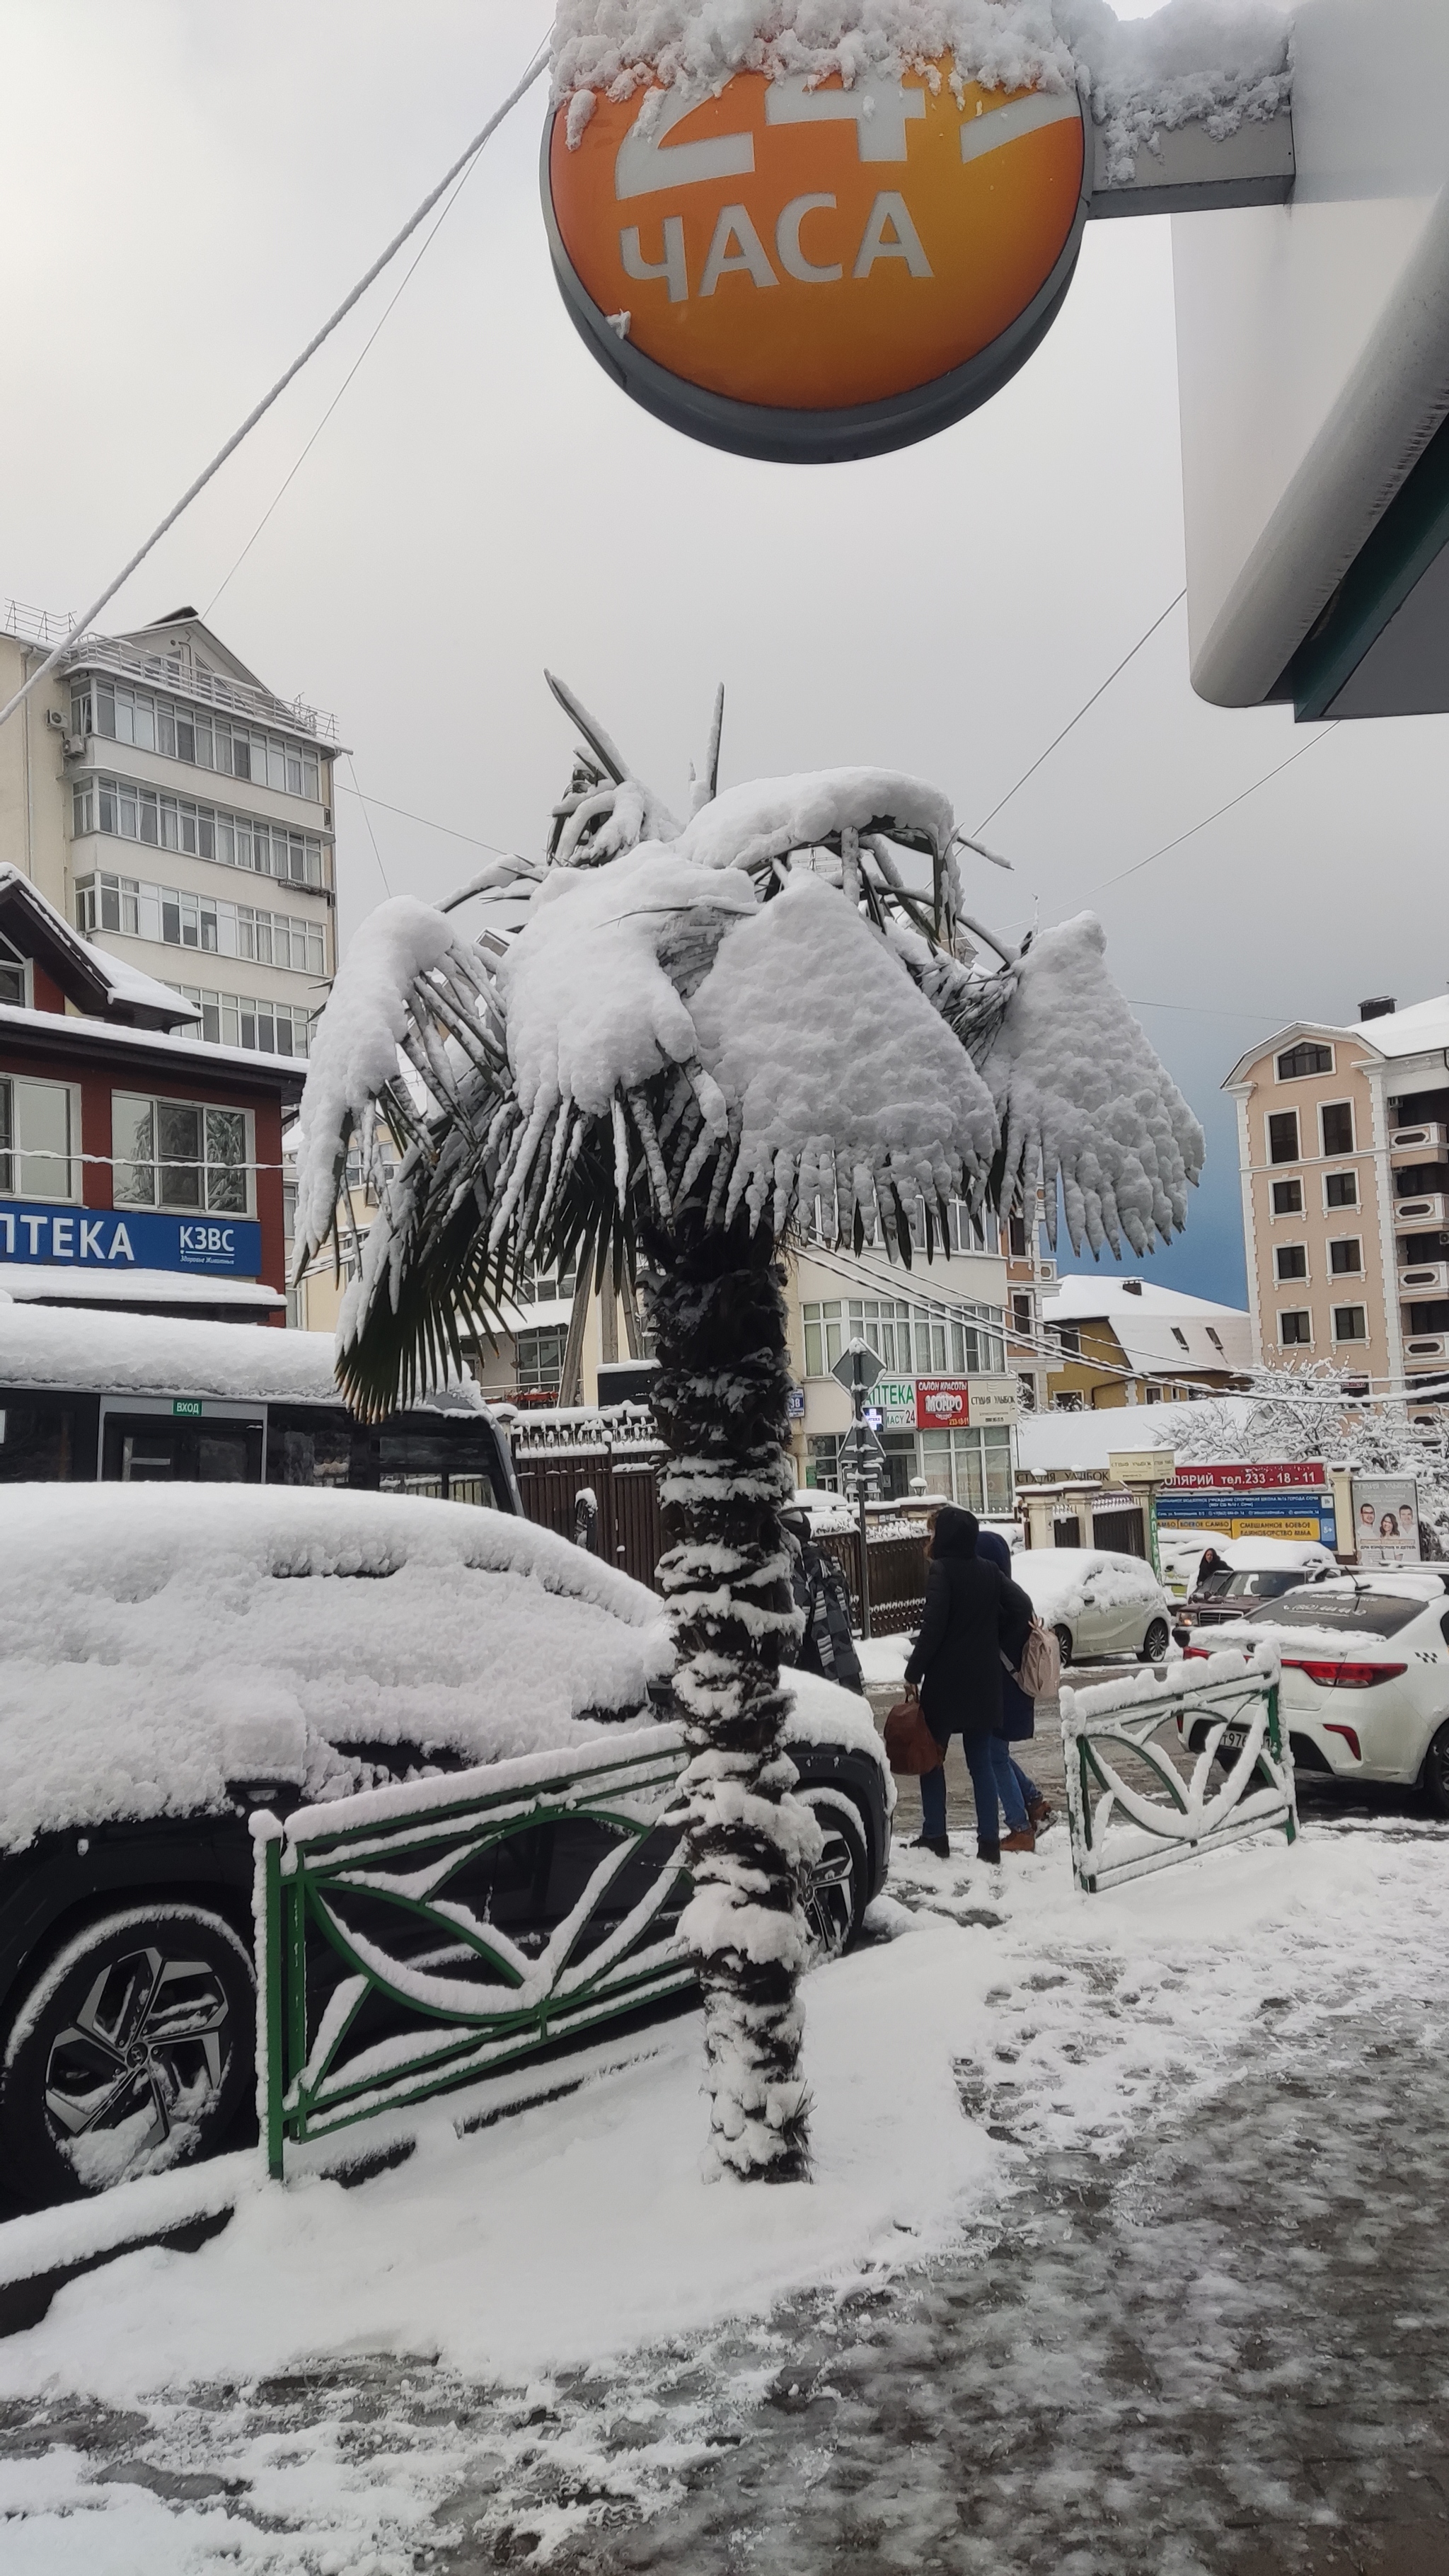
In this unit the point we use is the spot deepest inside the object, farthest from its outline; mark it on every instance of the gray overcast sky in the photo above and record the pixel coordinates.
(186, 190)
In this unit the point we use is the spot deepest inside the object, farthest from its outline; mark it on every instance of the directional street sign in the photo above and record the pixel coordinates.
(857, 1367)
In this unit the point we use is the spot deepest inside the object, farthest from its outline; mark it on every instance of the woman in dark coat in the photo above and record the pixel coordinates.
(973, 1614)
(1018, 1712)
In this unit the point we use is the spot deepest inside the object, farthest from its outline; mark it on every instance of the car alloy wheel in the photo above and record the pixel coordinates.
(132, 2051)
(1154, 1644)
(1063, 1637)
(836, 1897)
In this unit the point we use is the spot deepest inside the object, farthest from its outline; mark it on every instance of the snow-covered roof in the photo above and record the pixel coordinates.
(199, 1053)
(89, 976)
(1162, 1331)
(161, 1355)
(27, 1282)
(1422, 1028)
(149, 1653)
(1082, 1444)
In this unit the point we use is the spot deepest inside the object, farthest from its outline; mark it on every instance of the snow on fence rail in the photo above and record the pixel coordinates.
(419, 1936)
(1124, 1826)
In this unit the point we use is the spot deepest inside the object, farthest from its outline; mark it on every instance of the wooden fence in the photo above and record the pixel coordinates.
(614, 1454)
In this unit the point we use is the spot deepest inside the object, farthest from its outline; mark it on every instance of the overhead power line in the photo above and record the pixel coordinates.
(428, 823)
(1138, 865)
(298, 363)
(1082, 711)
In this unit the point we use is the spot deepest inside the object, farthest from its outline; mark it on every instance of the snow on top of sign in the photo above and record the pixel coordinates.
(1275, 1555)
(1215, 60)
(87, 1284)
(160, 1355)
(157, 1643)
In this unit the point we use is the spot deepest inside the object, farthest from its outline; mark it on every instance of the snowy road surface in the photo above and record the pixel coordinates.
(1125, 2253)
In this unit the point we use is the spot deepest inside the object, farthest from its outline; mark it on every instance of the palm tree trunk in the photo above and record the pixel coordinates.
(719, 1322)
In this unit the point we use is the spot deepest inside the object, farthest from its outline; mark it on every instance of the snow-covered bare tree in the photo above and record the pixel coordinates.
(1321, 1412)
(670, 1045)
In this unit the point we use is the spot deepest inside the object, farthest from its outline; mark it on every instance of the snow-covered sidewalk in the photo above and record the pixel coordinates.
(551, 2323)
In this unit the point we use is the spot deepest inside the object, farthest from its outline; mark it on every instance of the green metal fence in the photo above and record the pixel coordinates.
(1134, 1808)
(416, 1937)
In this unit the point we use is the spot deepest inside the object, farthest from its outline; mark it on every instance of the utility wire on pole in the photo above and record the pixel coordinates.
(83, 623)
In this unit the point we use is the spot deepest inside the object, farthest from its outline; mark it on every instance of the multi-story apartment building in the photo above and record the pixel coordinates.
(180, 816)
(1343, 1146)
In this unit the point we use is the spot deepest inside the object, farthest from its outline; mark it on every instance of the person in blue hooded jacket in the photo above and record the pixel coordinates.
(1018, 1711)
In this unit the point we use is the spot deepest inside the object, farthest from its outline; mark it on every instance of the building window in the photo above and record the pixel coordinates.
(236, 1020)
(39, 1139)
(1297, 1061)
(972, 1468)
(538, 1359)
(205, 740)
(822, 1460)
(1069, 1337)
(1287, 1198)
(125, 811)
(1292, 1260)
(545, 1287)
(1295, 1327)
(1283, 1136)
(1336, 1120)
(1216, 1339)
(1179, 1335)
(1016, 1237)
(176, 918)
(1340, 1190)
(1349, 1324)
(909, 1340)
(175, 1154)
(14, 976)
(1345, 1256)
(1021, 1316)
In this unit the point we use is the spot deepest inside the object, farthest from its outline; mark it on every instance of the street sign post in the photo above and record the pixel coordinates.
(857, 1369)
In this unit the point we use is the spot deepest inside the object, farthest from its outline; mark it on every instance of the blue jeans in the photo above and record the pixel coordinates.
(1025, 1783)
(993, 1778)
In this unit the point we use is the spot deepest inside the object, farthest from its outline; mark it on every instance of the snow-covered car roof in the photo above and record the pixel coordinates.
(157, 1354)
(1274, 1555)
(156, 1643)
(1056, 1578)
(159, 1642)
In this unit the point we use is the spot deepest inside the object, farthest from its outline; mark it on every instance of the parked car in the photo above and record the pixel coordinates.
(172, 1660)
(1365, 1687)
(1260, 1569)
(1097, 1603)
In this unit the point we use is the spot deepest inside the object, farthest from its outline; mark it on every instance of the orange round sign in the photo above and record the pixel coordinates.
(817, 272)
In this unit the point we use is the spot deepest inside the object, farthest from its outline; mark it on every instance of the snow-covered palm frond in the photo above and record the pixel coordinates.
(1085, 1102)
(761, 1011)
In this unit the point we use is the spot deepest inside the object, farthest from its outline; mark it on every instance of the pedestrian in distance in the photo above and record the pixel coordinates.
(1018, 1708)
(1213, 1573)
(821, 1593)
(973, 1615)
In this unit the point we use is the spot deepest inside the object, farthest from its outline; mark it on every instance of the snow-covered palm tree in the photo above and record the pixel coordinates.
(670, 1046)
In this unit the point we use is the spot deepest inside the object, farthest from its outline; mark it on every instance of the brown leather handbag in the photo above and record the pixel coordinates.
(910, 1746)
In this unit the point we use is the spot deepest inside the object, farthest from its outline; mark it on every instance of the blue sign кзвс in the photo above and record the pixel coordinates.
(129, 1239)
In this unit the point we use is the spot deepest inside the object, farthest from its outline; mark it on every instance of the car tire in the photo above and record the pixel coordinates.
(1436, 1773)
(1155, 1644)
(131, 2052)
(1063, 1637)
(839, 1890)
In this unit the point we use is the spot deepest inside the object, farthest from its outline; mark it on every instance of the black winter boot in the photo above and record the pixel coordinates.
(937, 1843)
(988, 1851)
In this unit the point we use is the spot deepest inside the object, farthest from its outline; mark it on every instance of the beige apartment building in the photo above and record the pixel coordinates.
(180, 815)
(1343, 1149)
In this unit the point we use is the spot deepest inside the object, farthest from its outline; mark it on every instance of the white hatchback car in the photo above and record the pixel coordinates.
(1365, 1689)
(1097, 1603)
